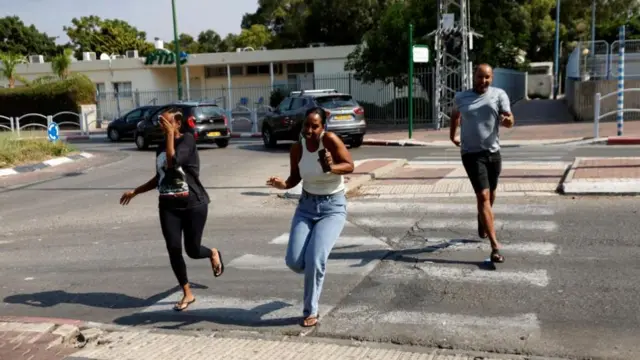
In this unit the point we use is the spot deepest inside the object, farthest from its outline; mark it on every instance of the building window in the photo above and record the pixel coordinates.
(123, 89)
(300, 68)
(219, 71)
(101, 90)
(264, 69)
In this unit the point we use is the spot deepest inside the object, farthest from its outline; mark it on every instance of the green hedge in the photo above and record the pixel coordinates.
(48, 98)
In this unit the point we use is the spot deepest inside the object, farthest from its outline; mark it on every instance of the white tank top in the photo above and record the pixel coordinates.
(314, 181)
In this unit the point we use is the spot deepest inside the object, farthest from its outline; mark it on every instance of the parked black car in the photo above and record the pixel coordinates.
(211, 124)
(345, 117)
(125, 126)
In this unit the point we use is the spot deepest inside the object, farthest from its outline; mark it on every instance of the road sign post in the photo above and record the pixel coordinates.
(417, 54)
(53, 132)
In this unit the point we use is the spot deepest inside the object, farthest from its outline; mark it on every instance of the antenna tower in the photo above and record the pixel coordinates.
(453, 40)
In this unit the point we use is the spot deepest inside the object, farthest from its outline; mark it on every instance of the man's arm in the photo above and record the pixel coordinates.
(504, 107)
(294, 173)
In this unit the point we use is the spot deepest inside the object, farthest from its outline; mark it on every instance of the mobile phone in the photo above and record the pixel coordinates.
(323, 161)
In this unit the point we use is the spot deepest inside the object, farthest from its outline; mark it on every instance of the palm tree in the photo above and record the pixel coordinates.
(8, 67)
(60, 63)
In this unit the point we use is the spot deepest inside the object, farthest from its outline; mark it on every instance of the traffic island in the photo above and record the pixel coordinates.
(603, 176)
(447, 180)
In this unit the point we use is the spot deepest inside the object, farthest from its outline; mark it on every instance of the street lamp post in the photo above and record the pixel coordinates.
(556, 69)
(176, 49)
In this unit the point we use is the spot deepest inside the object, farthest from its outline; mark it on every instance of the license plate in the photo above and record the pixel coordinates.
(342, 117)
(213, 134)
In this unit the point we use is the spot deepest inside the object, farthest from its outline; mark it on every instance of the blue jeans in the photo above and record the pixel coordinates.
(315, 228)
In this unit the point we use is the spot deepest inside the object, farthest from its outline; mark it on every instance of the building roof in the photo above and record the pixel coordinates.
(212, 59)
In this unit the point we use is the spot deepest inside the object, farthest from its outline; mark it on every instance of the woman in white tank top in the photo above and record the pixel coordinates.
(322, 209)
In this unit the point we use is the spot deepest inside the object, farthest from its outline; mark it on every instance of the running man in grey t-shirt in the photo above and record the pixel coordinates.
(479, 112)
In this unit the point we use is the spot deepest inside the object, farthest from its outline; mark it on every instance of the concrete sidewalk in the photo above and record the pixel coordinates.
(51, 341)
(429, 179)
(519, 135)
(603, 176)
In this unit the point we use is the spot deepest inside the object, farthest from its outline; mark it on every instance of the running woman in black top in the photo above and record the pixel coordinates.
(183, 201)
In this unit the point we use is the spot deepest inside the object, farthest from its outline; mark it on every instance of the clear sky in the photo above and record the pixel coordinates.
(151, 16)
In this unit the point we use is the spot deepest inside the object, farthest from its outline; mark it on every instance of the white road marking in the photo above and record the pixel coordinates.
(58, 161)
(239, 310)
(342, 241)
(467, 224)
(4, 242)
(452, 321)
(532, 277)
(538, 248)
(448, 208)
(276, 263)
(6, 172)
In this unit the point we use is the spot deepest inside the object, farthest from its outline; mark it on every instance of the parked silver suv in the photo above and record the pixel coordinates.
(345, 116)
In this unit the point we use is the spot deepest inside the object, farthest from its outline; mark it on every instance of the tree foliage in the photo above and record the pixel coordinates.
(17, 38)
(8, 67)
(106, 36)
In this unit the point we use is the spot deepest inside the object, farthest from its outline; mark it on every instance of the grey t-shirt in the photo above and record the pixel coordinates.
(481, 118)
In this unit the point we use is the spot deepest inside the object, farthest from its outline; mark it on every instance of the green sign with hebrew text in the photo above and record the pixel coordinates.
(161, 57)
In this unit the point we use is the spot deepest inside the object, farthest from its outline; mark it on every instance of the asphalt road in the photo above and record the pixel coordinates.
(570, 285)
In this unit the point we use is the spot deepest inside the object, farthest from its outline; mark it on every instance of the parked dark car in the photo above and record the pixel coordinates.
(125, 126)
(345, 117)
(211, 124)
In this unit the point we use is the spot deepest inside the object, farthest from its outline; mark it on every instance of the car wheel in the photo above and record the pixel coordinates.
(268, 138)
(113, 134)
(222, 143)
(141, 142)
(357, 141)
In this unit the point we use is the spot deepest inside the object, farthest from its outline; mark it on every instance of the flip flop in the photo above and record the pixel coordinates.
(309, 321)
(221, 265)
(183, 305)
(496, 257)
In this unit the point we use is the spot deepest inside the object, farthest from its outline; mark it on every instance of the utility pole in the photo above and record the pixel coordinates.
(453, 67)
(176, 49)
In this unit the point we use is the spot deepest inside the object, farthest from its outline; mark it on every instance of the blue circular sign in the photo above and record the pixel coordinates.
(53, 131)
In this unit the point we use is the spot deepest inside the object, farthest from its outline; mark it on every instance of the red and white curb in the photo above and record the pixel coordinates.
(45, 164)
(623, 140)
(104, 136)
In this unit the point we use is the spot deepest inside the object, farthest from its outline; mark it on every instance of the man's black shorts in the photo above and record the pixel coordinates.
(483, 169)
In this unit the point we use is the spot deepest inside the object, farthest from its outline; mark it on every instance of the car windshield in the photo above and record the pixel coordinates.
(208, 111)
(336, 101)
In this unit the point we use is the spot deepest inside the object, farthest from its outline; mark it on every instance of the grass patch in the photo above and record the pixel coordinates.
(29, 148)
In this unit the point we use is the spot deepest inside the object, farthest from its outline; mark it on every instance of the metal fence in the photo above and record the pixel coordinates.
(599, 59)
(384, 103)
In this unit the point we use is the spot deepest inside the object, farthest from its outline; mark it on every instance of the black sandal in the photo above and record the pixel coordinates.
(496, 257)
(183, 305)
(481, 232)
(221, 265)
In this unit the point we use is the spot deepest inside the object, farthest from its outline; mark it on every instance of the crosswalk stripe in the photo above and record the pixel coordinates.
(447, 272)
(442, 322)
(342, 241)
(359, 266)
(241, 311)
(538, 248)
(394, 206)
(468, 224)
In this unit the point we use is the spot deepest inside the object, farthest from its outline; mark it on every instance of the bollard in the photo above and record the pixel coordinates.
(596, 116)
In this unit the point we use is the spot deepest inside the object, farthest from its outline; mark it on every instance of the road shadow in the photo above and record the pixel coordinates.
(171, 319)
(105, 300)
(280, 148)
(409, 255)
(255, 193)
